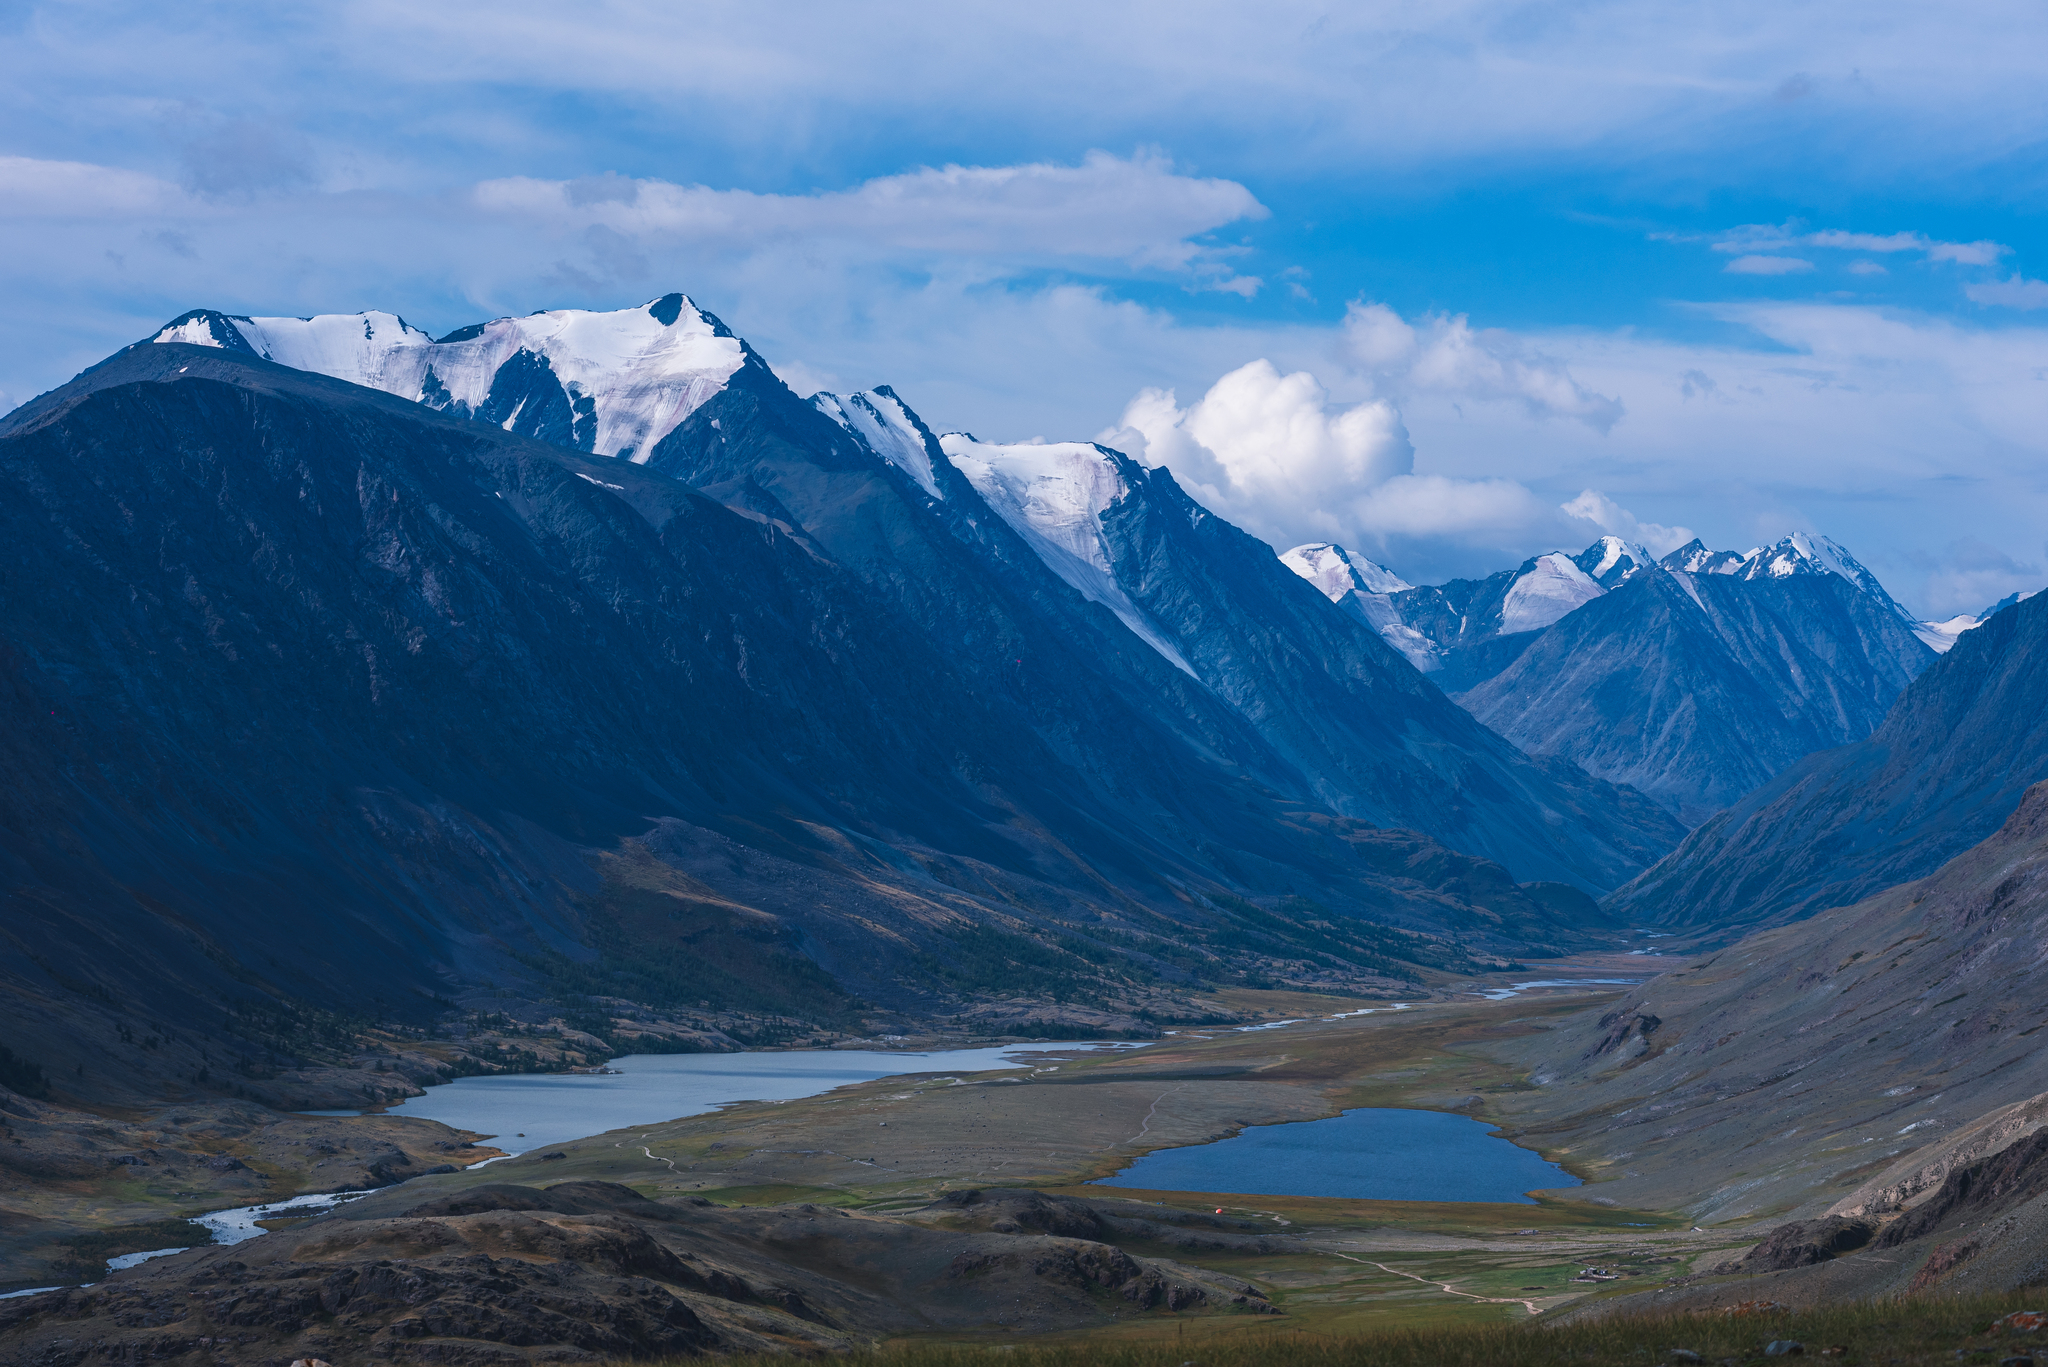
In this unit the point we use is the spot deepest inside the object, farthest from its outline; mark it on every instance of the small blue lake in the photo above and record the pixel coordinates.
(1365, 1155)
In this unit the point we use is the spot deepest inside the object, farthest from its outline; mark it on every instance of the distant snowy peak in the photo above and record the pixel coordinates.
(1361, 588)
(1612, 561)
(1694, 558)
(613, 384)
(1551, 586)
(1806, 553)
(1337, 571)
(1053, 495)
(1799, 553)
(885, 424)
(1939, 636)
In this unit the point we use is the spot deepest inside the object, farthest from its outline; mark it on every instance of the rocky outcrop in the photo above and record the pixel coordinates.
(1802, 1243)
(510, 1274)
(1013, 1212)
(1988, 1186)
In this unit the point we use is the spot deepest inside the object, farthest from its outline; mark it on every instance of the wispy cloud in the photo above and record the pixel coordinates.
(1768, 265)
(2015, 293)
(1139, 211)
(1754, 238)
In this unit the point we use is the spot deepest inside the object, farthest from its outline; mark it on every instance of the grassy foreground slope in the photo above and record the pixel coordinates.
(1915, 1333)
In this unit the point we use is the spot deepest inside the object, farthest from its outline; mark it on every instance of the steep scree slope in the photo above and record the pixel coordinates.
(1784, 1072)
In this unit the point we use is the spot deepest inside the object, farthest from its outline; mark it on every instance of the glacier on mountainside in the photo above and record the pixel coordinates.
(616, 383)
(884, 423)
(1053, 495)
(1547, 592)
(1362, 589)
(1337, 571)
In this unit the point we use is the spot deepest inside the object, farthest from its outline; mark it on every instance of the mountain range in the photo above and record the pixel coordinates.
(1942, 772)
(585, 658)
(1693, 679)
(570, 682)
(989, 546)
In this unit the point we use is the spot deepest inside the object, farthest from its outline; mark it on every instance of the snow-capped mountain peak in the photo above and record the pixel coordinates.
(885, 424)
(613, 384)
(1551, 587)
(1804, 553)
(1810, 553)
(1361, 588)
(1613, 560)
(1694, 558)
(1053, 494)
(1338, 572)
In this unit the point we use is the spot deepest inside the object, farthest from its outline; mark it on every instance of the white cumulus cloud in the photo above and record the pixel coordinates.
(1272, 452)
(1444, 354)
(1268, 450)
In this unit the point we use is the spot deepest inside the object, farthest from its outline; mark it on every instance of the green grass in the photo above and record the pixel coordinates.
(1904, 1333)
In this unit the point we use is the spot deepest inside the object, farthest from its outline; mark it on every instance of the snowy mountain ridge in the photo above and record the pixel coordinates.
(885, 424)
(1015, 547)
(1053, 494)
(1811, 553)
(1431, 624)
(1337, 571)
(611, 384)
(1612, 561)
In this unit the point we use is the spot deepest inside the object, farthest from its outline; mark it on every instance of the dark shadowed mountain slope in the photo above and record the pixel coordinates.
(1947, 766)
(1186, 612)
(317, 697)
(1696, 689)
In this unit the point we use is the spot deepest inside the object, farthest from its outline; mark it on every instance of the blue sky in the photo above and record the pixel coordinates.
(1452, 285)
